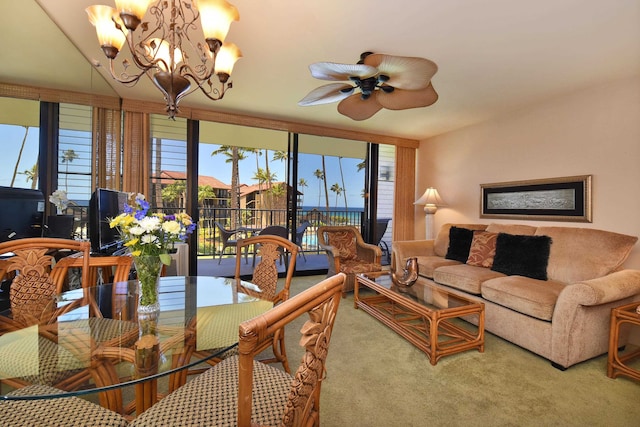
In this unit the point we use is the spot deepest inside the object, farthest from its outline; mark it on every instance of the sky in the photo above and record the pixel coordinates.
(11, 141)
(353, 180)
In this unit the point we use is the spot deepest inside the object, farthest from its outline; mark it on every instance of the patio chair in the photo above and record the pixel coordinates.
(243, 391)
(348, 253)
(302, 228)
(381, 229)
(226, 237)
(273, 230)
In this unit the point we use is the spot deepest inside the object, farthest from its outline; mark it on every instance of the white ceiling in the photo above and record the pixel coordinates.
(494, 56)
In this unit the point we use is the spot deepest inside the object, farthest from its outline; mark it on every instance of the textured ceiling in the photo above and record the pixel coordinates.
(494, 56)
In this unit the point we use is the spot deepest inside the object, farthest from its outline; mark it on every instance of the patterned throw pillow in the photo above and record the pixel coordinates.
(483, 249)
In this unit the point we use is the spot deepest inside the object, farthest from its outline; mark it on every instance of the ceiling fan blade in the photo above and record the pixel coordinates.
(405, 72)
(404, 99)
(358, 109)
(326, 94)
(334, 71)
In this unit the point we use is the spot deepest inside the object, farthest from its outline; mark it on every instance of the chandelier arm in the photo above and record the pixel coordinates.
(213, 93)
(125, 78)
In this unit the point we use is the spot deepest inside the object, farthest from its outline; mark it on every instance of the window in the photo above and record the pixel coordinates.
(74, 152)
(19, 136)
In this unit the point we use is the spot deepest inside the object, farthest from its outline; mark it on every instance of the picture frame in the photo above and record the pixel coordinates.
(551, 199)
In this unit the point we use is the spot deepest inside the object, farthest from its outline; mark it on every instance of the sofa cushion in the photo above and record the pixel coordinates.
(483, 249)
(459, 244)
(522, 255)
(428, 264)
(583, 253)
(441, 242)
(536, 298)
(465, 277)
(521, 229)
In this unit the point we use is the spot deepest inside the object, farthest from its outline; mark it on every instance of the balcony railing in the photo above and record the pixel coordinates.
(210, 241)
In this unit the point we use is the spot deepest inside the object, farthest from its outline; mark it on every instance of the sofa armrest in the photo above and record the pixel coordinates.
(602, 290)
(581, 316)
(403, 249)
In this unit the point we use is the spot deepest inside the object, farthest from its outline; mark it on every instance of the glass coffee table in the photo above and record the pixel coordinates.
(436, 321)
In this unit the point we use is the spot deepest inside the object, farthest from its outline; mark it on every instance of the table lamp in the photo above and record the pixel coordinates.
(431, 201)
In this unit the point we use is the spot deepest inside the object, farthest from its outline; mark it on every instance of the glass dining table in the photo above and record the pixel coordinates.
(95, 342)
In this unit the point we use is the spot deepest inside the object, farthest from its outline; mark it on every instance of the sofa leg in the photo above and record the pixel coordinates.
(559, 367)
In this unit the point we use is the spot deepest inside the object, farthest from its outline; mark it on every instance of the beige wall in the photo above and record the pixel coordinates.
(592, 132)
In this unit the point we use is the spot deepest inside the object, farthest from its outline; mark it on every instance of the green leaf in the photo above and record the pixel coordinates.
(166, 259)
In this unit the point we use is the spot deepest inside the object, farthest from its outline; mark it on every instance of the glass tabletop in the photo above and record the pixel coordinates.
(86, 332)
(430, 297)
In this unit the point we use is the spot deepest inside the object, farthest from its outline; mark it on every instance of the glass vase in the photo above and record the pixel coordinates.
(148, 269)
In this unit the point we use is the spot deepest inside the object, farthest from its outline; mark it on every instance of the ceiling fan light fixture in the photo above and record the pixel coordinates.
(385, 81)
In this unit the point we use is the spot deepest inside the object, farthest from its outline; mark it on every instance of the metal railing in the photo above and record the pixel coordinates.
(251, 220)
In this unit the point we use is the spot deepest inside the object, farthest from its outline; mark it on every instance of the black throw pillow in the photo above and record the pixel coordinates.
(522, 255)
(459, 244)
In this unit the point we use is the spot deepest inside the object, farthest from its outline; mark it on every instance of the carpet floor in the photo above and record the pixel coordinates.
(376, 378)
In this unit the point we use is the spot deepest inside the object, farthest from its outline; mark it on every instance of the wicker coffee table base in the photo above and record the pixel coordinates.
(437, 332)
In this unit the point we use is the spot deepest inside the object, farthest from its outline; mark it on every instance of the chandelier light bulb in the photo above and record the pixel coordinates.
(216, 17)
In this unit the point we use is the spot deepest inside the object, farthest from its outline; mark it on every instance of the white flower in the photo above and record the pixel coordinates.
(60, 199)
(150, 239)
(150, 223)
(137, 230)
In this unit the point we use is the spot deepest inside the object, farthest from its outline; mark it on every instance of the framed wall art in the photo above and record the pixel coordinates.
(552, 199)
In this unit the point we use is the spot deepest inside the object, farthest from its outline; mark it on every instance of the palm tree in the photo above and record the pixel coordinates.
(320, 175)
(324, 178)
(15, 170)
(344, 188)
(234, 155)
(68, 156)
(175, 191)
(32, 175)
(302, 183)
(336, 189)
(262, 176)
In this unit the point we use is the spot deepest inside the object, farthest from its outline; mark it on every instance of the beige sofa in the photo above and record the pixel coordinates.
(564, 318)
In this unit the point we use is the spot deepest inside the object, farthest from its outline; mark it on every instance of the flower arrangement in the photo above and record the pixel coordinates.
(149, 236)
(148, 233)
(60, 199)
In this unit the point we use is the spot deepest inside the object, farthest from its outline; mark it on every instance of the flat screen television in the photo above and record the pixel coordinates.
(21, 213)
(104, 205)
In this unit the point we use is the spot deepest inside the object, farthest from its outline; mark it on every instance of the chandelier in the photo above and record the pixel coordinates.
(165, 49)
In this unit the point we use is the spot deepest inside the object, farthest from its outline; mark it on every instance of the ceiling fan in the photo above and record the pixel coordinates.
(384, 81)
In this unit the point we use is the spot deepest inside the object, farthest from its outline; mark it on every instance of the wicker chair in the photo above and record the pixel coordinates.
(265, 279)
(32, 292)
(102, 269)
(63, 411)
(348, 253)
(242, 391)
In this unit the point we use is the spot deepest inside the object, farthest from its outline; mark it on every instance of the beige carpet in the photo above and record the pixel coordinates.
(376, 378)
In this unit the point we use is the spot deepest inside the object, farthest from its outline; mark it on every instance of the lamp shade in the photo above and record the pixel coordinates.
(430, 197)
(227, 57)
(102, 17)
(216, 17)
